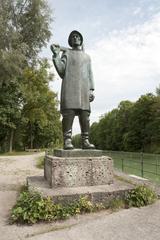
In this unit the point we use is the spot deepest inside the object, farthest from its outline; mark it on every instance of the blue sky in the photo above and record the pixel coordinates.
(123, 40)
(97, 18)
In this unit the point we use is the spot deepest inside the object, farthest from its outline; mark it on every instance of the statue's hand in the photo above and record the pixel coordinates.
(55, 48)
(91, 96)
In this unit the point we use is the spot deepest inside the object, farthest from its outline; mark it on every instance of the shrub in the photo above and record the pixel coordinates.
(31, 207)
(85, 205)
(140, 196)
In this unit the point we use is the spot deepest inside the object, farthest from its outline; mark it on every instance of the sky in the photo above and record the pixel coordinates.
(122, 38)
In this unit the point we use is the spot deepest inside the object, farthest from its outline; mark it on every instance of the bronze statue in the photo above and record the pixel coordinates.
(74, 67)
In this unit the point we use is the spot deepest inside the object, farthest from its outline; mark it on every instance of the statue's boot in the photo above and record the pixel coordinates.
(68, 143)
(85, 142)
(67, 122)
(84, 123)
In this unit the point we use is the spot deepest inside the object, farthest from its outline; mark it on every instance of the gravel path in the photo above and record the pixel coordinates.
(15, 169)
(13, 173)
(143, 223)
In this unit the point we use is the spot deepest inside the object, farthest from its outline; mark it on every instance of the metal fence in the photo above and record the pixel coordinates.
(140, 164)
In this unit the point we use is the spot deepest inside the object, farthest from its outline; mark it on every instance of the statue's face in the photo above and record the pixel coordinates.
(76, 40)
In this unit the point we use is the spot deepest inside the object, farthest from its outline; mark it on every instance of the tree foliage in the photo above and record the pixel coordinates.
(28, 108)
(25, 28)
(133, 126)
(40, 107)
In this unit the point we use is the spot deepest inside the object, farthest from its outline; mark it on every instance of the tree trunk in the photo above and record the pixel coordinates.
(31, 135)
(31, 141)
(5, 143)
(11, 140)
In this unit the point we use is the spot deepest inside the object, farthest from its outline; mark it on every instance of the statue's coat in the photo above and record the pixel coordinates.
(74, 67)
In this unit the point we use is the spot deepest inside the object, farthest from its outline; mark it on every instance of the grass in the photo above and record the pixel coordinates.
(17, 153)
(131, 162)
(40, 162)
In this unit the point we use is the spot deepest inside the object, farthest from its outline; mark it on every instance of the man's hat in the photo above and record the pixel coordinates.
(70, 37)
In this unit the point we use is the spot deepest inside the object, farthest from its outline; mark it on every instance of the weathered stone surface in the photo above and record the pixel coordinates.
(78, 153)
(97, 194)
(78, 171)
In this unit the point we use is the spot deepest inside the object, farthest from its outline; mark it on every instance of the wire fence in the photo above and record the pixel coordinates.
(141, 164)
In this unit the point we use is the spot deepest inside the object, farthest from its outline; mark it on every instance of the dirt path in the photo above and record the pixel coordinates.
(13, 173)
(127, 224)
(15, 169)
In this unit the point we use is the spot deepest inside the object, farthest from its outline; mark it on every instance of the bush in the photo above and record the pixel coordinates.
(140, 196)
(31, 207)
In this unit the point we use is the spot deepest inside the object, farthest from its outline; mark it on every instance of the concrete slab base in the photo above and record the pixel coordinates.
(64, 195)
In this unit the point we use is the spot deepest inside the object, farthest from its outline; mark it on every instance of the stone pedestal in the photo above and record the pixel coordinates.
(69, 175)
(78, 168)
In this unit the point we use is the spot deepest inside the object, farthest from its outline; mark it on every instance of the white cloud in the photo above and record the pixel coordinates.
(126, 65)
(137, 11)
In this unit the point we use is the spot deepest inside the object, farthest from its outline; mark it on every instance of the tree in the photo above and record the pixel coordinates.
(77, 140)
(139, 138)
(25, 28)
(32, 22)
(10, 114)
(40, 107)
(94, 134)
(103, 133)
(131, 126)
(158, 90)
(123, 122)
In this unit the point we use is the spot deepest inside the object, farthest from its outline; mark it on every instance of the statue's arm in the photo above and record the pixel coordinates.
(60, 65)
(59, 62)
(91, 82)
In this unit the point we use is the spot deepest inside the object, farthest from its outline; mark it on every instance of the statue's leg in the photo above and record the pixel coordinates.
(84, 124)
(67, 122)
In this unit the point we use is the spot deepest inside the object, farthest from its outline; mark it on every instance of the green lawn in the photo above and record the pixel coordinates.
(17, 153)
(144, 165)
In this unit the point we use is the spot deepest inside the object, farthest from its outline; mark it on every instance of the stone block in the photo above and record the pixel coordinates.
(78, 171)
(78, 153)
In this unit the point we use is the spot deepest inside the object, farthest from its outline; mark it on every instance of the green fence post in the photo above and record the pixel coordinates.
(142, 165)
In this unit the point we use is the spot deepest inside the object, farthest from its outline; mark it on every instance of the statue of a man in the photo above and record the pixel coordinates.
(74, 67)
